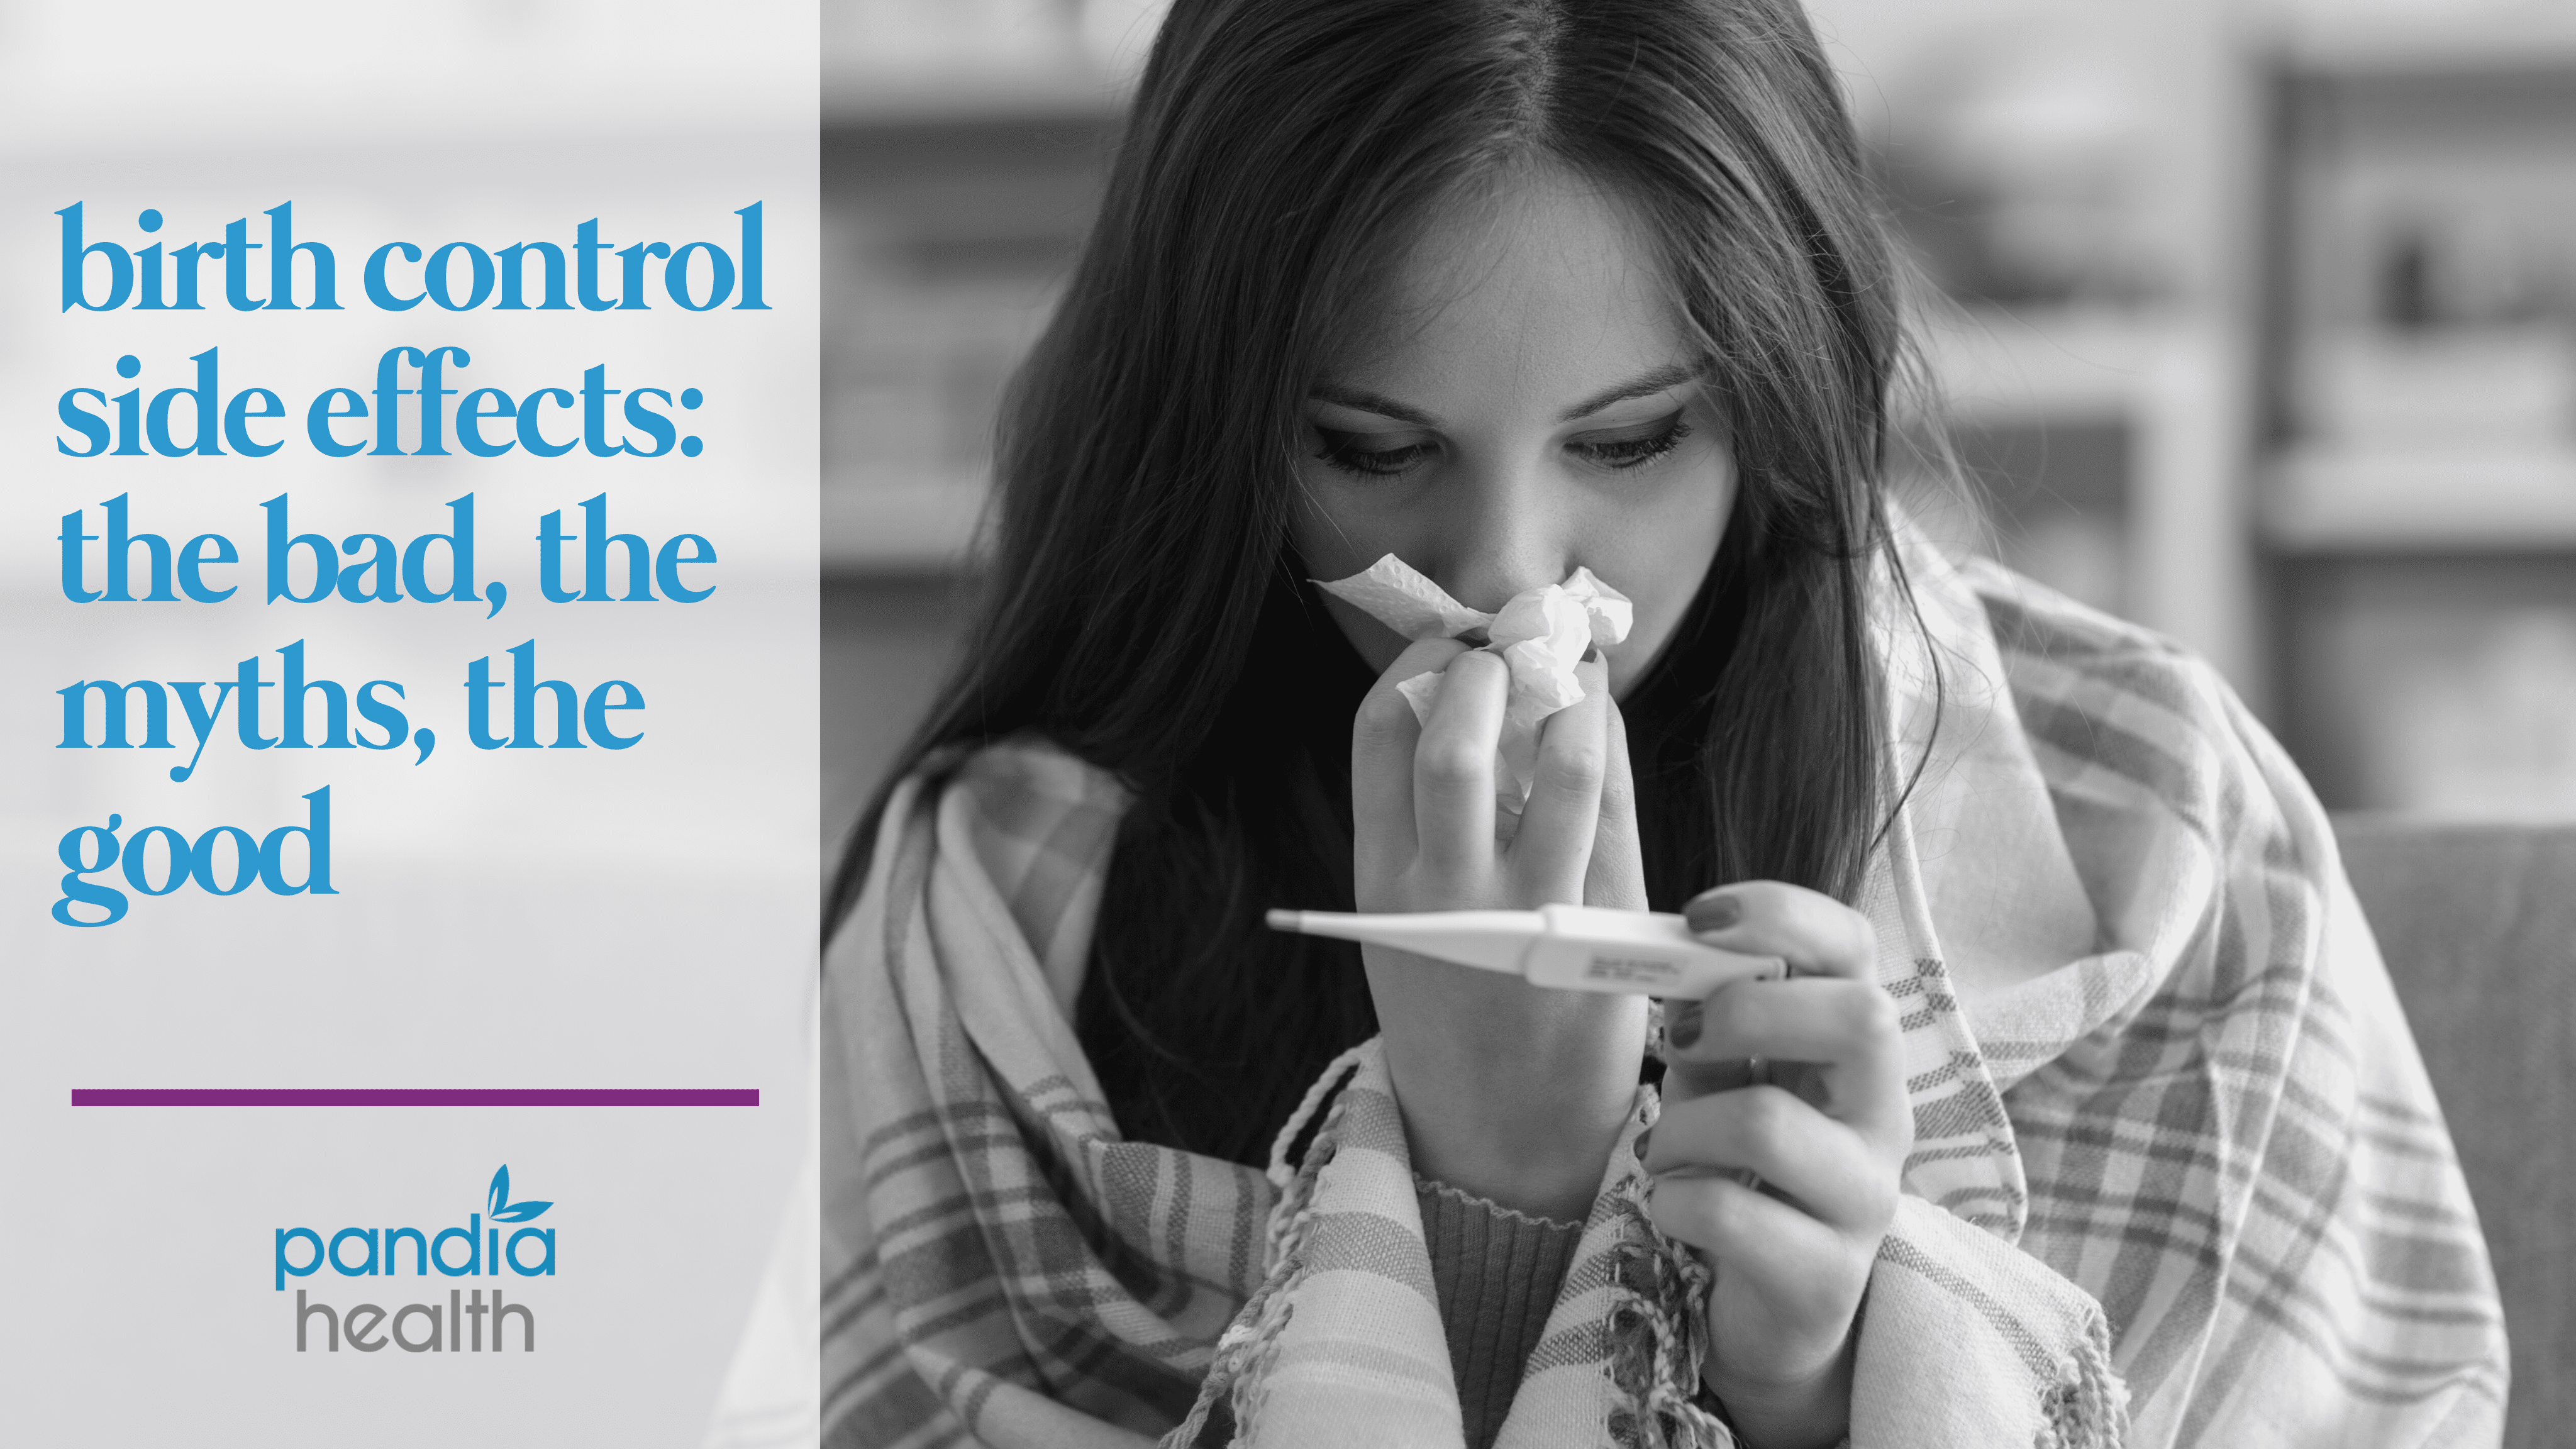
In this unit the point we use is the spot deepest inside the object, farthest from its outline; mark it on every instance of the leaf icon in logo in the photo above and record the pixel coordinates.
(502, 1210)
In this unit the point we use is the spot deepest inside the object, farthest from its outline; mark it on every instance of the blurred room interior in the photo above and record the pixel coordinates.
(2256, 323)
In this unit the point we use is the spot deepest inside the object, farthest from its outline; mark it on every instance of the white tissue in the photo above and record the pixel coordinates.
(1541, 635)
(1391, 592)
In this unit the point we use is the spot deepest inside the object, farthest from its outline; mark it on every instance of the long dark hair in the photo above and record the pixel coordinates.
(1145, 610)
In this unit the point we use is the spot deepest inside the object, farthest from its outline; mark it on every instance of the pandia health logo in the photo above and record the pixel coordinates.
(475, 1250)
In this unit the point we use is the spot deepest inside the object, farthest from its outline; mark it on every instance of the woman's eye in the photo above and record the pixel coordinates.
(1350, 453)
(1632, 452)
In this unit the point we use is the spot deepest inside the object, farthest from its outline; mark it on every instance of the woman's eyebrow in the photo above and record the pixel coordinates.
(1365, 401)
(1361, 399)
(1668, 376)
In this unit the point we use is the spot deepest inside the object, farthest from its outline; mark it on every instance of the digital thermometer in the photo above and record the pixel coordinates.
(1570, 948)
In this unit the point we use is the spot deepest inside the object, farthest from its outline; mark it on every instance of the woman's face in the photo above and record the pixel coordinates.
(1518, 403)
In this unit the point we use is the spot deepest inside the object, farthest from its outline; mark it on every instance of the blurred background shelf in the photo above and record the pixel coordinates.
(2513, 502)
(2099, 443)
(863, 97)
(2482, 43)
(901, 528)
(2415, 447)
(902, 62)
(965, 144)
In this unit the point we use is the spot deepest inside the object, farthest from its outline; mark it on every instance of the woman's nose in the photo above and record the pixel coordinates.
(1503, 537)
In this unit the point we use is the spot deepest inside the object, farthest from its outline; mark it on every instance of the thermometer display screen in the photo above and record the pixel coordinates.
(1640, 970)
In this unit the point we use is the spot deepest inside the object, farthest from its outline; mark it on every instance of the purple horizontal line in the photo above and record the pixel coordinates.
(415, 1097)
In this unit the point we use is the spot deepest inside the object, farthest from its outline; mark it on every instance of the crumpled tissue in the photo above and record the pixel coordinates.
(1541, 635)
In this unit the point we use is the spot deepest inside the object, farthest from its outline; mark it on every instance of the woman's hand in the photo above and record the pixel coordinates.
(1822, 1126)
(1509, 1091)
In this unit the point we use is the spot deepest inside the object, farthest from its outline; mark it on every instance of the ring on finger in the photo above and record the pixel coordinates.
(1757, 1073)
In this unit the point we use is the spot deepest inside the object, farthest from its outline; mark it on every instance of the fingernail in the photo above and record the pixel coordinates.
(1713, 913)
(1642, 1139)
(1681, 1025)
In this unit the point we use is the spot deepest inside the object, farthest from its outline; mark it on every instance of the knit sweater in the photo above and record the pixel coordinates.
(1497, 1272)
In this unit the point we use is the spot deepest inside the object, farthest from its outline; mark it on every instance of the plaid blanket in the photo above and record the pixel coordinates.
(2187, 1182)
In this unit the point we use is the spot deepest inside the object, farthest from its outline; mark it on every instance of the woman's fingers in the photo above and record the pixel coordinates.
(1617, 874)
(1806, 1019)
(1382, 742)
(1423, 794)
(1749, 1232)
(1848, 1029)
(1453, 767)
(1555, 841)
(1831, 1015)
(1816, 934)
(1823, 1166)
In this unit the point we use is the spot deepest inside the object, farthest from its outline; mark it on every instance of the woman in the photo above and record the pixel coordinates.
(2085, 1110)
